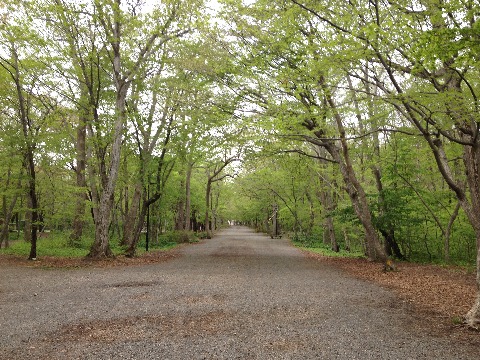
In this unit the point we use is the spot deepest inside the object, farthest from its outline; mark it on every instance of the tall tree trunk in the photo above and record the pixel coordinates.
(32, 194)
(188, 200)
(327, 197)
(340, 154)
(357, 195)
(140, 221)
(448, 232)
(28, 151)
(131, 216)
(207, 208)
(101, 247)
(79, 217)
(472, 209)
(5, 222)
(311, 207)
(138, 228)
(8, 212)
(388, 232)
(329, 205)
(27, 224)
(180, 215)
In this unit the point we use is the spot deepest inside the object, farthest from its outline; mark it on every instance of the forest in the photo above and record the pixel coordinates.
(347, 125)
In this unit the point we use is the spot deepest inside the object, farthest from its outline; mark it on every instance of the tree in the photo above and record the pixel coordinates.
(113, 20)
(152, 133)
(429, 78)
(11, 170)
(32, 105)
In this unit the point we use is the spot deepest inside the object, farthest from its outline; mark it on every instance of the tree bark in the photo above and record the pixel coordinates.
(329, 205)
(146, 203)
(28, 150)
(180, 215)
(27, 224)
(8, 212)
(311, 208)
(100, 247)
(138, 227)
(375, 251)
(132, 216)
(79, 217)
(188, 200)
(207, 209)
(448, 232)
(340, 154)
(387, 230)
(32, 193)
(472, 209)
(163, 173)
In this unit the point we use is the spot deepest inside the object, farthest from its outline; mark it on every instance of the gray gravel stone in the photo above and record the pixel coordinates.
(240, 295)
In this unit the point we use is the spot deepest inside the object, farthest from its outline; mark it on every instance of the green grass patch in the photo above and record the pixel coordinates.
(171, 239)
(56, 244)
(313, 244)
(325, 251)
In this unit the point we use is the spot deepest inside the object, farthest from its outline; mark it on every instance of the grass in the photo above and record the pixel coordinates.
(312, 244)
(330, 253)
(56, 245)
(326, 251)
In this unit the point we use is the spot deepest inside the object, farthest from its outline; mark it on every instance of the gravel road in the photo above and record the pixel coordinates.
(240, 295)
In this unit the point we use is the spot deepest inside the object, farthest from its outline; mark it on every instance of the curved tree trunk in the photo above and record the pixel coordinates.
(388, 232)
(341, 155)
(374, 249)
(140, 221)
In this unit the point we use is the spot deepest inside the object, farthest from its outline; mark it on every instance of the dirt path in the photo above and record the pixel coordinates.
(238, 296)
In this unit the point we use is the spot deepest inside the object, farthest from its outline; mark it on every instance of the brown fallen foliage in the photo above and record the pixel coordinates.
(59, 262)
(439, 295)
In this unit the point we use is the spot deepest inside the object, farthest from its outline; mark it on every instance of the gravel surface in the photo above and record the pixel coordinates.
(240, 295)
